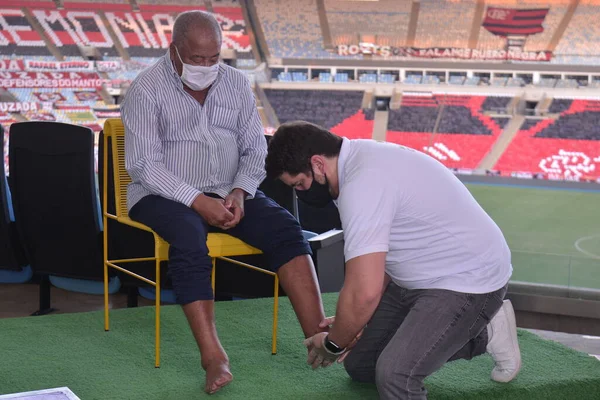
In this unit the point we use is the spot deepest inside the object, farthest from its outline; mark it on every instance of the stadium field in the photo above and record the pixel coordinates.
(554, 235)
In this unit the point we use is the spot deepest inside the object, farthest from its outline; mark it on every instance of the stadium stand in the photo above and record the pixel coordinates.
(386, 24)
(557, 10)
(580, 43)
(18, 37)
(442, 23)
(338, 111)
(534, 151)
(496, 103)
(84, 96)
(292, 28)
(76, 26)
(143, 34)
(559, 105)
(580, 121)
(439, 24)
(464, 134)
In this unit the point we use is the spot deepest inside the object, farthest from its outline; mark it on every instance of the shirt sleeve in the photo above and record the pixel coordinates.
(367, 208)
(252, 145)
(143, 149)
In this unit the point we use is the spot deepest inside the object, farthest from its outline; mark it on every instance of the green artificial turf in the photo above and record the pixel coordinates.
(542, 227)
(73, 350)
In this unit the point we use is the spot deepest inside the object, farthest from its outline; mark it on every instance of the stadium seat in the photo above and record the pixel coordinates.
(13, 263)
(56, 203)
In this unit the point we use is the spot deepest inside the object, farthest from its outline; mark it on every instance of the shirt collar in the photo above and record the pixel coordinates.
(342, 157)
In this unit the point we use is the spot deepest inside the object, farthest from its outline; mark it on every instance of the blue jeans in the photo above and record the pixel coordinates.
(265, 225)
(413, 333)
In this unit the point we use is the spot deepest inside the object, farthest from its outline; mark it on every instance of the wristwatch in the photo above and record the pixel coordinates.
(331, 347)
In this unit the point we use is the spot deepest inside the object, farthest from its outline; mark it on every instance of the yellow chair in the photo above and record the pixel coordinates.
(220, 245)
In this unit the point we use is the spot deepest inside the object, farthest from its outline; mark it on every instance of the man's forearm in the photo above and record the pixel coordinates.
(354, 310)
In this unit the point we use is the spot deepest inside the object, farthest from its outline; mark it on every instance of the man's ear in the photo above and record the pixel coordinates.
(317, 162)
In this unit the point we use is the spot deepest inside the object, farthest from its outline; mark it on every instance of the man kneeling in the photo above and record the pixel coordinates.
(426, 268)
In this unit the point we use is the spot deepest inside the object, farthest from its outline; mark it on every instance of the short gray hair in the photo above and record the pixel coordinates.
(194, 19)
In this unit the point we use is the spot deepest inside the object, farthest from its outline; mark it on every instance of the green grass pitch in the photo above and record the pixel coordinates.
(554, 235)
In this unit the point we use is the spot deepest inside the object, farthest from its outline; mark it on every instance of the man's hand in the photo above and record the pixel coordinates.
(212, 210)
(327, 322)
(318, 354)
(234, 202)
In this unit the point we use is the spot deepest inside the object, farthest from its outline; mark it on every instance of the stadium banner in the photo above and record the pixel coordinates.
(514, 22)
(20, 65)
(81, 116)
(41, 116)
(12, 65)
(108, 66)
(36, 80)
(107, 114)
(4, 116)
(59, 66)
(72, 107)
(50, 97)
(369, 49)
(87, 96)
(19, 107)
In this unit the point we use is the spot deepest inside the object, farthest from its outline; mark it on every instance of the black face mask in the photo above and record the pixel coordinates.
(317, 195)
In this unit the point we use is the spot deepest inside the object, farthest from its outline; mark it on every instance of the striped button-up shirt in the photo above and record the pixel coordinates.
(178, 149)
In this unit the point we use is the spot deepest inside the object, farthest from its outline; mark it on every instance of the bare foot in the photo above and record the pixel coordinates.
(217, 375)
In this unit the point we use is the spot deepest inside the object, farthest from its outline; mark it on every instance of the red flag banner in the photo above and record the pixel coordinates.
(512, 21)
(40, 116)
(49, 96)
(87, 96)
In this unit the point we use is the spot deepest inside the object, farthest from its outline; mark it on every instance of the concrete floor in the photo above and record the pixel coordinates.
(20, 300)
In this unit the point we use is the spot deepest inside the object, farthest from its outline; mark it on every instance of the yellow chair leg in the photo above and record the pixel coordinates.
(157, 307)
(214, 274)
(105, 233)
(275, 315)
(106, 320)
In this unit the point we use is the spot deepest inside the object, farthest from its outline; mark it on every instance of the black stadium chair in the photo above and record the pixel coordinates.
(56, 204)
(13, 263)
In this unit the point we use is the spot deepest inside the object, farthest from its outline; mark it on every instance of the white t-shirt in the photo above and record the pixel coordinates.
(397, 200)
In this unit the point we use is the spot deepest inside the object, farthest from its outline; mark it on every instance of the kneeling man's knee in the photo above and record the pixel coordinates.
(356, 369)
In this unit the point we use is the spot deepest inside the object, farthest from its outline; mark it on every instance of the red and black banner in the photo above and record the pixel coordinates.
(49, 96)
(512, 22)
(41, 116)
(87, 96)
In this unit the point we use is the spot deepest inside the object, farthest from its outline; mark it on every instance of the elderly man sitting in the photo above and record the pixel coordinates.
(195, 152)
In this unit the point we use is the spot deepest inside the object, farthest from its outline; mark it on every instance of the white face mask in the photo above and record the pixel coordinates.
(197, 77)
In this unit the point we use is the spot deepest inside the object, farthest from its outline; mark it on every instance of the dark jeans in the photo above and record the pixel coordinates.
(266, 226)
(413, 333)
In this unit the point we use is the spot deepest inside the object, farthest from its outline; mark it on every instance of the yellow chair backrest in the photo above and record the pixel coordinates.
(115, 130)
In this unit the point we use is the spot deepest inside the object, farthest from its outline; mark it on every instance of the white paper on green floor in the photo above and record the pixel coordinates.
(62, 393)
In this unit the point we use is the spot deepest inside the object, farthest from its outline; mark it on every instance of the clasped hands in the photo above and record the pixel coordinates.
(318, 355)
(221, 213)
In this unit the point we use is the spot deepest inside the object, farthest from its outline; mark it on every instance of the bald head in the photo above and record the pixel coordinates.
(196, 40)
(197, 23)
